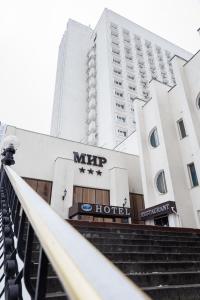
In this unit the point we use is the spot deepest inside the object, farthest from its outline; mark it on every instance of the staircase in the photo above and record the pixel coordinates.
(164, 262)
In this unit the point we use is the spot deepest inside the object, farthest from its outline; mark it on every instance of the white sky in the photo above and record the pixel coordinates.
(30, 33)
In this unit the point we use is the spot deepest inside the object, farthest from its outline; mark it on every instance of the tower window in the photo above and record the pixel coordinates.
(121, 119)
(117, 71)
(116, 60)
(130, 67)
(115, 51)
(120, 105)
(181, 128)
(122, 132)
(118, 82)
(119, 93)
(193, 175)
(130, 77)
(132, 88)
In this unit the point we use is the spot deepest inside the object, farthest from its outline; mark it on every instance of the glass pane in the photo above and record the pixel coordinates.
(193, 174)
(154, 138)
(161, 183)
(182, 128)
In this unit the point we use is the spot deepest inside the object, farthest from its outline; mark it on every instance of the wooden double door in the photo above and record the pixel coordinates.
(42, 187)
(136, 204)
(93, 196)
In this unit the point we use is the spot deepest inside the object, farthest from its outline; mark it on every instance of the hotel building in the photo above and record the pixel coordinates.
(100, 73)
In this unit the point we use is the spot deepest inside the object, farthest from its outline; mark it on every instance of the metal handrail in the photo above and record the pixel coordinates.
(84, 272)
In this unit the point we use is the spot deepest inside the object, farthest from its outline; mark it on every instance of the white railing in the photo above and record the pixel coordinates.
(84, 272)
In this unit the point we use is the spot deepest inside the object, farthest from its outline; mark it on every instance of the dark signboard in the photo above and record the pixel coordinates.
(165, 208)
(99, 210)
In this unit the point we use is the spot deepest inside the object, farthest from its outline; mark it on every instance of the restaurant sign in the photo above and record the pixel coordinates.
(165, 208)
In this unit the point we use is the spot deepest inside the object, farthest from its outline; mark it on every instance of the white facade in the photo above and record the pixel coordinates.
(175, 114)
(45, 157)
(100, 72)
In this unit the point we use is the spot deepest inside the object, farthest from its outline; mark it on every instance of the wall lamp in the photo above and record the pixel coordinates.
(64, 194)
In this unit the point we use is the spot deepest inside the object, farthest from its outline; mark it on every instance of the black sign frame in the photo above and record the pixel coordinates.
(164, 208)
(99, 210)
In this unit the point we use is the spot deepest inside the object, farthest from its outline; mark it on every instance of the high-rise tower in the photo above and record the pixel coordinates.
(101, 72)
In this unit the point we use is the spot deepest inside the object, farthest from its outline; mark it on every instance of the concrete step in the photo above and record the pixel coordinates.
(157, 266)
(138, 241)
(174, 292)
(136, 230)
(111, 235)
(56, 296)
(146, 248)
(165, 278)
(53, 284)
(151, 257)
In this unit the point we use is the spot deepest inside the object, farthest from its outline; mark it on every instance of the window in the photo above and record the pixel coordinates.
(122, 132)
(193, 174)
(130, 67)
(129, 57)
(161, 182)
(120, 105)
(130, 76)
(119, 93)
(116, 60)
(121, 119)
(112, 25)
(128, 50)
(132, 88)
(113, 33)
(198, 101)
(181, 128)
(118, 82)
(127, 40)
(117, 71)
(132, 97)
(125, 31)
(95, 37)
(153, 138)
(115, 51)
(115, 43)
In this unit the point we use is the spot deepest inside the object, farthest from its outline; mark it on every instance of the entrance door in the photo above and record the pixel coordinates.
(42, 187)
(93, 196)
(136, 204)
(161, 221)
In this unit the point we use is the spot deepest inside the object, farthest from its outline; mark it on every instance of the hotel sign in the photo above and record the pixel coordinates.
(88, 159)
(99, 210)
(165, 208)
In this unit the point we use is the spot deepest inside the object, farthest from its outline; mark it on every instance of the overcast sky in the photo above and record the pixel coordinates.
(30, 33)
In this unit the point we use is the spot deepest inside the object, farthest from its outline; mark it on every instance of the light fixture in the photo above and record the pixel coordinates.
(125, 202)
(10, 145)
(11, 141)
(64, 194)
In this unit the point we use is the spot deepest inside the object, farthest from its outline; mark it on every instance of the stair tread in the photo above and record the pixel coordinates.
(162, 273)
(157, 262)
(133, 245)
(133, 234)
(55, 294)
(149, 252)
(161, 287)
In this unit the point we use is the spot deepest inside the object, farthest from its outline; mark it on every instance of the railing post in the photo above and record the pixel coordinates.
(41, 284)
